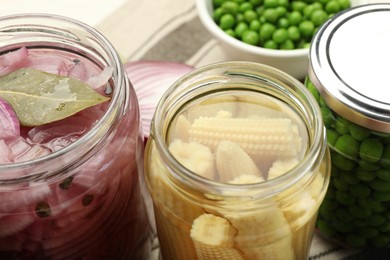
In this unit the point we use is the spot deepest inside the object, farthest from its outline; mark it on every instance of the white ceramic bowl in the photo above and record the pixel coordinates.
(294, 62)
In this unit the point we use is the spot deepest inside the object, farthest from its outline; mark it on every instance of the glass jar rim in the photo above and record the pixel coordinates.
(316, 148)
(35, 19)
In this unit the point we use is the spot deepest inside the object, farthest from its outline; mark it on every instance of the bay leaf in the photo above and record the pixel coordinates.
(39, 97)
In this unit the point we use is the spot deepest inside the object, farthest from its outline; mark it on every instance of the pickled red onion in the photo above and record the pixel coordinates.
(9, 122)
(150, 80)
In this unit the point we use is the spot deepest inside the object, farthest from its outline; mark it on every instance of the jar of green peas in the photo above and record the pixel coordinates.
(348, 75)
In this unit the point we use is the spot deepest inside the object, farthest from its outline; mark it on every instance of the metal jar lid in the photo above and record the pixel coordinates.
(349, 63)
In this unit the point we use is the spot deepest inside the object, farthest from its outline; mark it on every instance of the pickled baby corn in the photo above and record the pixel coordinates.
(264, 234)
(194, 156)
(232, 162)
(256, 136)
(174, 214)
(213, 238)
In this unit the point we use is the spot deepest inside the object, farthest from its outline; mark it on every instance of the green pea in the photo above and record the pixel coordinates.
(368, 232)
(344, 215)
(217, 3)
(318, 17)
(255, 25)
(342, 125)
(270, 3)
(294, 34)
(359, 212)
(376, 220)
(240, 18)
(256, 2)
(375, 206)
(368, 166)
(280, 35)
(283, 23)
(287, 45)
(325, 228)
(344, 4)
(229, 7)
(380, 185)
(306, 28)
(380, 241)
(385, 160)
(317, 5)
(343, 226)
(332, 7)
(270, 15)
(250, 37)
(327, 116)
(250, 15)
(340, 184)
(325, 213)
(381, 196)
(358, 132)
(360, 190)
(271, 44)
(227, 21)
(266, 31)
(245, 6)
(298, 6)
(307, 11)
(371, 150)
(295, 18)
(383, 174)
(332, 136)
(359, 223)
(281, 11)
(385, 227)
(217, 14)
(342, 162)
(240, 29)
(345, 198)
(260, 10)
(230, 32)
(347, 146)
(284, 3)
(356, 240)
(364, 175)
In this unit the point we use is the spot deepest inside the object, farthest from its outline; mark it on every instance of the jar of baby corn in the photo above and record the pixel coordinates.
(236, 164)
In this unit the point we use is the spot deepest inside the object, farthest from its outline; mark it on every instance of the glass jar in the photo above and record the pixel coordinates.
(236, 164)
(348, 75)
(83, 199)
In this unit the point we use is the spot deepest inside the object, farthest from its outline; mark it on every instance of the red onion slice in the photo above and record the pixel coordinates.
(9, 122)
(150, 80)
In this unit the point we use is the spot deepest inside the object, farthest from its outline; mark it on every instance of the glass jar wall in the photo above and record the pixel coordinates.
(72, 189)
(236, 164)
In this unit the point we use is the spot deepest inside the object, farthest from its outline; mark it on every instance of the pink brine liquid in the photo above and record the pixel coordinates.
(79, 201)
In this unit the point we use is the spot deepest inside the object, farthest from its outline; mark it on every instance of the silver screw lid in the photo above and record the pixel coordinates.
(349, 63)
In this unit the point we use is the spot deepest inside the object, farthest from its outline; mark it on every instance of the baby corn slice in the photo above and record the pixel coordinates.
(256, 136)
(174, 214)
(194, 156)
(182, 127)
(213, 238)
(232, 162)
(263, 235)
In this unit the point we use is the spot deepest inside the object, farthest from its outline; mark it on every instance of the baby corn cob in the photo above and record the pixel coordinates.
(212, 106)
(232, 162)
(194, 156)
(256, 136)
(213, 238)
